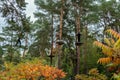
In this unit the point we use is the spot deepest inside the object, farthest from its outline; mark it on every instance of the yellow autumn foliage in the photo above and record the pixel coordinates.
(113, 33)
(111, 48)
(93, 74)
(104, 60)
(105, 49)
(32, 71)
(107, 41)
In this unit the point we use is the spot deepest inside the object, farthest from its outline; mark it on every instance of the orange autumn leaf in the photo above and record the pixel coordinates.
(33, 71)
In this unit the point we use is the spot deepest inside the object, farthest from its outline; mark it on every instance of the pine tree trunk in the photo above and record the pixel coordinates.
(52, 30)
(85, 50)
(26, 44)
(78, 11)
(60, 36)
(78, 47)
(11, 51)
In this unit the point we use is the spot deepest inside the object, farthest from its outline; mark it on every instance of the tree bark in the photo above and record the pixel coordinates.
(60, 36)
(85, 50)
(26, 45)
(52, 30)
(78, 11)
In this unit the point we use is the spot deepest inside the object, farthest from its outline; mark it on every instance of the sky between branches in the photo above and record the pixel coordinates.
(29, 12)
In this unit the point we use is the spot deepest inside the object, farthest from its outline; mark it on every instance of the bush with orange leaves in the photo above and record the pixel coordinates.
(32, 70)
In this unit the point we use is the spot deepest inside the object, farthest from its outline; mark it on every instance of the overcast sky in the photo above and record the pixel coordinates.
(29, 11)
(30, 8)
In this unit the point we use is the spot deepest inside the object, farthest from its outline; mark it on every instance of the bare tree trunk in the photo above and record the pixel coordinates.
(11, 50)
(78, 47)
(78, 11)
(85, 50)
(51, 54)
(60, 36)
(26, 45)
